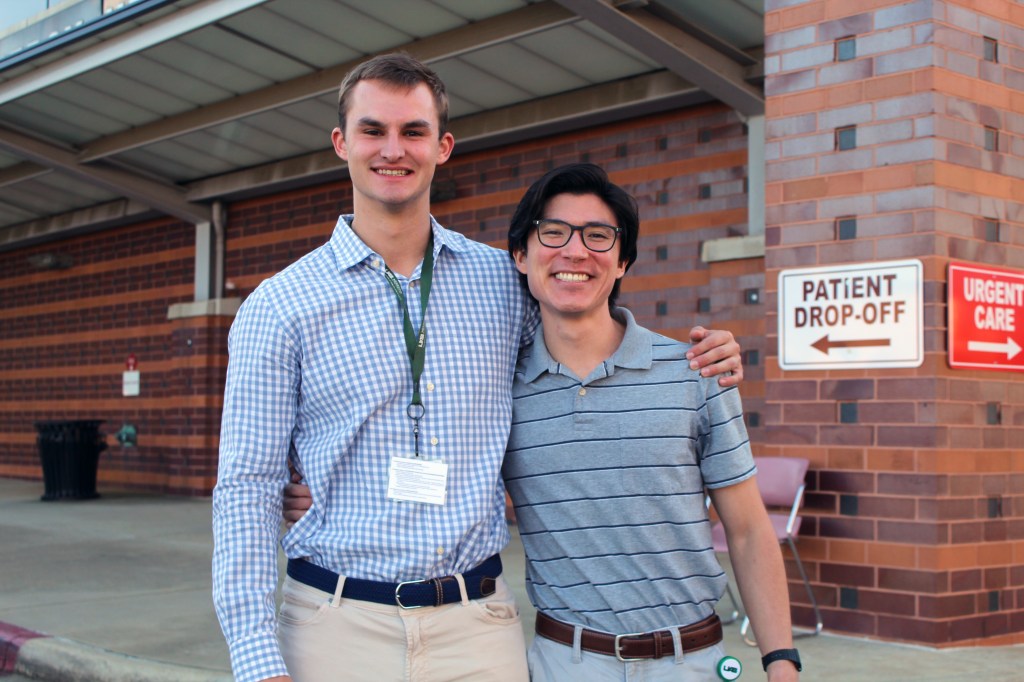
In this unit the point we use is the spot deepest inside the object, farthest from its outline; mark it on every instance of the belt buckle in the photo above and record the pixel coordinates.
(398, 593)
(618, 646)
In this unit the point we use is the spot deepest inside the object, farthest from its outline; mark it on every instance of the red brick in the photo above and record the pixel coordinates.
(913, 533)
(846, 528)
(912, 436)
(979, 627)
(904, 580)
(948, 606)
(892, 603)
(855, 622)
(847, 389)
(846, 481)
(870, 506)
(967, 580)
(912, 484)
(913, 630)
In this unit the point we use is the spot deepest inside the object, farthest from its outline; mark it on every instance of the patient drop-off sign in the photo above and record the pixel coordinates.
(851, 316)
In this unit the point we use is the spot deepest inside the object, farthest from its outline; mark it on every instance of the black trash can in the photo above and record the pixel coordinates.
(70, 453)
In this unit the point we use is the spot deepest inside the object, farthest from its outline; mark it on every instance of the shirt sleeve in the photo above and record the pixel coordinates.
(724, 447)
(260, 405)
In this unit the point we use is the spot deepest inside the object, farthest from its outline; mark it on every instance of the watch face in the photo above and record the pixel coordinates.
(729, 668)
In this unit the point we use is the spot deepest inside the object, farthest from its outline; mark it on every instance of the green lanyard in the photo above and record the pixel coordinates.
(415, 345)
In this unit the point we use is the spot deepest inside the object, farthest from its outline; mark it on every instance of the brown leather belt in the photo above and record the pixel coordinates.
(634, 647)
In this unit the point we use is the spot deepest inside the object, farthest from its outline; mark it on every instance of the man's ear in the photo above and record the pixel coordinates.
(445, 148)
(338, 142)
(519, 256)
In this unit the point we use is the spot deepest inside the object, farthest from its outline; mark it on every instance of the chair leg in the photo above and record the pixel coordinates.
(744, 629)
(818, 624)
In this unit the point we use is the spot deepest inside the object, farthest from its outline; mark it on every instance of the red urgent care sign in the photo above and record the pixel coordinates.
(986, 317)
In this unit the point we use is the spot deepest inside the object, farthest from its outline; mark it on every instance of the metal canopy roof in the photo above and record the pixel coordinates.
(179, 103)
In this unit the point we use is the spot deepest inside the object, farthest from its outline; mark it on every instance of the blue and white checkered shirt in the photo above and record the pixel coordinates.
(319, 369)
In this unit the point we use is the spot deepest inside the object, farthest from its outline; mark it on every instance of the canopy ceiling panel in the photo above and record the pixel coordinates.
(215, 99)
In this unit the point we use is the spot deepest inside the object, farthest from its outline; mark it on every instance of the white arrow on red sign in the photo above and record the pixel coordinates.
(985, 311)
(1010, 347)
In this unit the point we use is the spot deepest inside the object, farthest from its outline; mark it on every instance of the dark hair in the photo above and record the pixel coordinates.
(578, 179)
(399, 70)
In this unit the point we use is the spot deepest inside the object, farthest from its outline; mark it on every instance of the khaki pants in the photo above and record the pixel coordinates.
(327, 639)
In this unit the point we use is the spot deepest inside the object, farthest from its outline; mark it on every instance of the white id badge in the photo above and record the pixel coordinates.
(414, 479)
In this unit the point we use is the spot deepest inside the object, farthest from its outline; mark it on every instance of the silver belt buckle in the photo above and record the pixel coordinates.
(398, 595)
(618, 646)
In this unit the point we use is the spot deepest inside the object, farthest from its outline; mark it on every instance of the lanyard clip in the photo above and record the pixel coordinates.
(416, 412)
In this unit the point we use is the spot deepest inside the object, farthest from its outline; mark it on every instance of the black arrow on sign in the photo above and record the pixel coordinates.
(823, 344)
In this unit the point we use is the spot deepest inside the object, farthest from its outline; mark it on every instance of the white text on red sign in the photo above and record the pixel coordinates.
(984, 312)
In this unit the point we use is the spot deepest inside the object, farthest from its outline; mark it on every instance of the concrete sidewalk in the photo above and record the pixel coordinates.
(119, 587)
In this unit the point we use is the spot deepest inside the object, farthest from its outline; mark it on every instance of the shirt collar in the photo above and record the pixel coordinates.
(633, 353)
(350, 250)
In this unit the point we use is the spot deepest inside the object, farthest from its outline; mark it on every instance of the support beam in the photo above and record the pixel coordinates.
(495, 30)
(755, 175)
(750, 245)
(675, 49)
(204, 265)
(599, 104)
(20, 172)
(209, 258)
(128, 43)
(164, 198)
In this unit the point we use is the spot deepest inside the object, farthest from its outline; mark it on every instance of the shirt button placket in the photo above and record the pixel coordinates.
(579, 405)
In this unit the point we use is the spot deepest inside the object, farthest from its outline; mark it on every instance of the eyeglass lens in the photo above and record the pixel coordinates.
(556, 234)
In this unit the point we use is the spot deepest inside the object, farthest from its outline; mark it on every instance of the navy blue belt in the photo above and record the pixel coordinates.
(412, 594)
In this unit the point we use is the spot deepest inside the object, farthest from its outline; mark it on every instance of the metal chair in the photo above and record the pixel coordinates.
(780, 481)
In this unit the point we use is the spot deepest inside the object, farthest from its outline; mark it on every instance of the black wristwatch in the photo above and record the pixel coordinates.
(791, 655)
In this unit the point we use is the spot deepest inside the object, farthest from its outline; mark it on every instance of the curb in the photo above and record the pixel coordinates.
(57, 659)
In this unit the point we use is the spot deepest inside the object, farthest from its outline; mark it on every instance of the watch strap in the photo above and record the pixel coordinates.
(791, 655)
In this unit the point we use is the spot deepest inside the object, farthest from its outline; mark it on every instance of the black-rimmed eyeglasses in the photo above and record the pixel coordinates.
(555, 234)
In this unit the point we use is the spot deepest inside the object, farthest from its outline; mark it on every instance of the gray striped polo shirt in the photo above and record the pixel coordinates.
(607, 477)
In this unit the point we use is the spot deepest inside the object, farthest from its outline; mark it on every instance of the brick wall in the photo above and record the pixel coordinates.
(916, 509)
(66, 333)
(64, 339)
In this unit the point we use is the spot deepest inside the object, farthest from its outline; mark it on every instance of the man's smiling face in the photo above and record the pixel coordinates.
(392, 145)
(572, 281)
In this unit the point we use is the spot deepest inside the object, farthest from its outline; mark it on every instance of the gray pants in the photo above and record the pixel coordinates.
(554, 662)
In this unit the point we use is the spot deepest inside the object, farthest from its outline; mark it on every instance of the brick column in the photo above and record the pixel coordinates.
(916, 490)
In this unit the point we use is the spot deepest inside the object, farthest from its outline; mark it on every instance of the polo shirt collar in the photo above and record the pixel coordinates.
(350, 250)
(633, 353)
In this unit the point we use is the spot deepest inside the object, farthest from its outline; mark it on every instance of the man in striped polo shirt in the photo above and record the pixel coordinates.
(614, 441)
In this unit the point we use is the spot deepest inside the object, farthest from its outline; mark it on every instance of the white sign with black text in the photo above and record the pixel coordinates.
(851, 316)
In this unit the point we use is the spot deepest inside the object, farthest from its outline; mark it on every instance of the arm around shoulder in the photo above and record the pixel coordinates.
(716, 352)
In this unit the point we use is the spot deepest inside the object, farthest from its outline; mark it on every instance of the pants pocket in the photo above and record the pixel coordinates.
(500, 608)
(301, 604)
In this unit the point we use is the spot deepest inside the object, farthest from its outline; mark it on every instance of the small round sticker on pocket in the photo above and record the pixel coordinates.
(729, 668)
